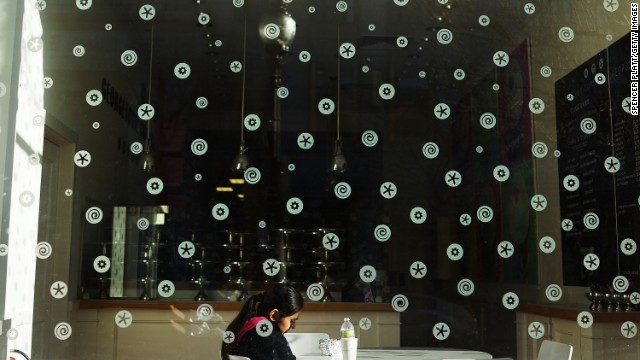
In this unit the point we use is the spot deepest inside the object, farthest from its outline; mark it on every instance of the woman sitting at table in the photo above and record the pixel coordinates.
(278, 306)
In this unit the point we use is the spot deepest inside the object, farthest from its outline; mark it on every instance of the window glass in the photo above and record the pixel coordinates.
(464, 162)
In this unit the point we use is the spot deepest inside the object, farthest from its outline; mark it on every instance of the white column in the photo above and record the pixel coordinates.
(27, 142)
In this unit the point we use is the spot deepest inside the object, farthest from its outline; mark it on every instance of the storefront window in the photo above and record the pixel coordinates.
(453, 173)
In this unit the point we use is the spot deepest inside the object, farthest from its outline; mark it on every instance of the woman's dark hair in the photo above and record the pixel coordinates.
(281, 296)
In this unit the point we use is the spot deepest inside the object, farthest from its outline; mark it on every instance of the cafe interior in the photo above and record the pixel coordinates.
(449, 174)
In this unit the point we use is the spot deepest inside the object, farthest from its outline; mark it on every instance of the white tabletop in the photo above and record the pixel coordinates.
(410, 354)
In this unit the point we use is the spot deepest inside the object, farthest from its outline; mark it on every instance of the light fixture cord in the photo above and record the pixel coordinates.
(149, 92)
(338, 100)
(150, 63)
(244, 77)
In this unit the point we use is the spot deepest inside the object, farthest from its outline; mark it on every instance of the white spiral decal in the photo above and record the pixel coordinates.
(136, 147)
(369, 138)
(202, 102)
(282, 92)
(271, 31)
(43, 250)
(315, 292)
(93, 215)
(78, 50)
(620, 284)
(430, 150)
(444, 36)
(204, 18)
(341, 6)
(465, 287)
(143, 223)
(399, 303)
(129, 58)
(252, 175)
(539, 149)
(342, 190)
(38, 120)
(199, 147)
(485, 213)
(545, 71)
(566, 34)
(238, 3)
(62, 331)
(588, 126)
(591, 220)
(205, 312)
(484, 20)
(382, 233)
(488, 120)
(553, 292)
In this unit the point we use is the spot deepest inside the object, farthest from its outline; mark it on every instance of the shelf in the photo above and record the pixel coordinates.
(571, 313)
(225, 305)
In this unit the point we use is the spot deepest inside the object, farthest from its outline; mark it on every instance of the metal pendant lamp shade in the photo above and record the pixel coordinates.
(338, 161)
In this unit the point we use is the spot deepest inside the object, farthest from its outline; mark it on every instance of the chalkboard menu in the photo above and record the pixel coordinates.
(599, 169)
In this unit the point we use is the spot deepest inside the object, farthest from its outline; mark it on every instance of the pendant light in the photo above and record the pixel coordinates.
(241, 161)
(148, 163)
(338, 160)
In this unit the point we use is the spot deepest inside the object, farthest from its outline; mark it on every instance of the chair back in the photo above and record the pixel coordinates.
(552, 350)
(235, 357)
(305, 343)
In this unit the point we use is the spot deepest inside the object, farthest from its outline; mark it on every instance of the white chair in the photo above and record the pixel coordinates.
(235, 357)
(551, 350)
(305, 343)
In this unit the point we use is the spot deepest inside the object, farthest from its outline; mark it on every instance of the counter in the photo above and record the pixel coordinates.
(602, 340)
(171, 329)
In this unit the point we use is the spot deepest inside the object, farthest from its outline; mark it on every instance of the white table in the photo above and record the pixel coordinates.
(410, 354)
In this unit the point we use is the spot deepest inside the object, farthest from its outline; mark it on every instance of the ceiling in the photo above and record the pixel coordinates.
(107, 28)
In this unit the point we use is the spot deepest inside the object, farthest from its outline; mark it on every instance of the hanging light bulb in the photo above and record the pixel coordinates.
(338, 160)
(241, 161)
